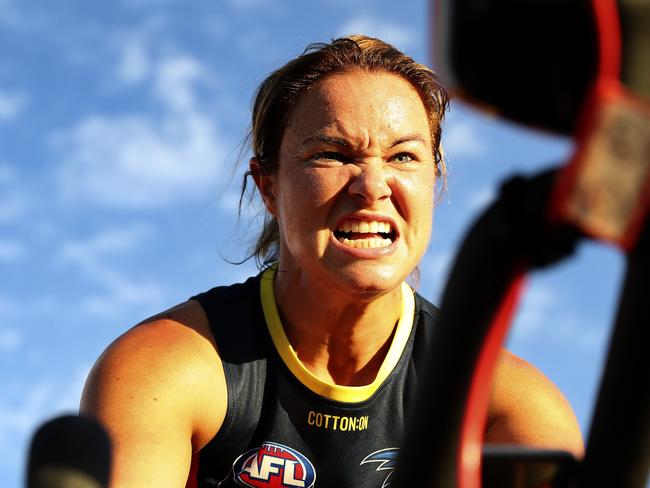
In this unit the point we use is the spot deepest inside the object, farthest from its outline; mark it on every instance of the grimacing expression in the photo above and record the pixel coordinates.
(354, 190)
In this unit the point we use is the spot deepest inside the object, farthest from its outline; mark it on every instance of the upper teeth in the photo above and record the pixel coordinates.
(365, 226)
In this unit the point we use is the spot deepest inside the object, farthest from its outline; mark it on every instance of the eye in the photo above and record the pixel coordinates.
(403, 158)
(328, 156)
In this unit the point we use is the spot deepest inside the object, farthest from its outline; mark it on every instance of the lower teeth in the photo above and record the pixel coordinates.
(366, 243)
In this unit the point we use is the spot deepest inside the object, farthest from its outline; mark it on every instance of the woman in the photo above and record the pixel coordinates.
(307, 371)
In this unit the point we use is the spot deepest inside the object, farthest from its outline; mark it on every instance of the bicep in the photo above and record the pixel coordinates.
(527, 408)
(150, 399)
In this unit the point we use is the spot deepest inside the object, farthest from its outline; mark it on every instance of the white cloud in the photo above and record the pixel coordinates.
(176, 77)
(137, 162)
(142, 160)
(121, 292)
(92, 257)
(107, 242)
(391, 32)
(461, 139)
(136, 47)
(134, 64)
(11, 104)
(145, 55)
(11, 251)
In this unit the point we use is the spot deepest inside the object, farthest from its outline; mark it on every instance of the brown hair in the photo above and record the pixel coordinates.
(278, 94)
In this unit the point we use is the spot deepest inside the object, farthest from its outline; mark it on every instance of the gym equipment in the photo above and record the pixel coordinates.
(574, 67)
(69, 451)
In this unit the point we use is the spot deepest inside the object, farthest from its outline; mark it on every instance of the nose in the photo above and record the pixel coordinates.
(370, 183)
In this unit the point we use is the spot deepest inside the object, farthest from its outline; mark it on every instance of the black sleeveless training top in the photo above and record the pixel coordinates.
(286, 428)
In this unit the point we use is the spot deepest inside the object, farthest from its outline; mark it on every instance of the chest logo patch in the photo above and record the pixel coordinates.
(274, 466)
(385, 460)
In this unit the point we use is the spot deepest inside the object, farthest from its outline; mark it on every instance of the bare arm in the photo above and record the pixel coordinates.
(160, 391)
(527, 408)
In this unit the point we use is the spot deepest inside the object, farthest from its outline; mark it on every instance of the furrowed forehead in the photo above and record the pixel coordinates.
(351, 108)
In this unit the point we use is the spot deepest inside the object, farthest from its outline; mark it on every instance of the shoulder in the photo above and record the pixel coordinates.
(169, 360)
(159, 388)
(178, 331)
(526, 407)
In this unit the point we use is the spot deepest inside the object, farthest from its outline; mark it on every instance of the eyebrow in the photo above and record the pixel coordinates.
(322, 138)
(339, 141)
(409, 138)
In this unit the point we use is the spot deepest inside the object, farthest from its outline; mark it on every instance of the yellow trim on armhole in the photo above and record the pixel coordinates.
(349, 394)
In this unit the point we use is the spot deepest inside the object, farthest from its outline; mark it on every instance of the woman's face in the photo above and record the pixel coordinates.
(354, 190)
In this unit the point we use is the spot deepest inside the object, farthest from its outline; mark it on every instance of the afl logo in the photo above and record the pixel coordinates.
(273, 466)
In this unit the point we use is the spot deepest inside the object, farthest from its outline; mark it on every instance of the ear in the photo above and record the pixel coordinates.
(265, 184)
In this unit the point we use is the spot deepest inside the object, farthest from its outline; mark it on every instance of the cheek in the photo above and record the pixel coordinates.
(312, 189)
(304, 199)
(418, 190)
(416, 201)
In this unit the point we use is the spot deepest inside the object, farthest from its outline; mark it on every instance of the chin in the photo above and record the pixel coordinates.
(368, 281)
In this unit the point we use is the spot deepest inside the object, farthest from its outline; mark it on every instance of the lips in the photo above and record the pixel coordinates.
(365, 234)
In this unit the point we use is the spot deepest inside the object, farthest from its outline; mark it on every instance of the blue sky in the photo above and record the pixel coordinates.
(120, 130)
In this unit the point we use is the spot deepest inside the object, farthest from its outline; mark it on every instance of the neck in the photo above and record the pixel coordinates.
(340, 339)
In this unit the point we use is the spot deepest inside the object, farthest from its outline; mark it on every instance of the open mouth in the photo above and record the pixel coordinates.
(365, 234)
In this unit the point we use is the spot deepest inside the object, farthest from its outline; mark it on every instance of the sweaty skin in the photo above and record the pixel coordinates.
(357, 149)
(526, 408)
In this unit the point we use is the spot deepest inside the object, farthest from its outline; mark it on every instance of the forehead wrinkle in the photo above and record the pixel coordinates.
(355, 123)
(338, 128)
(386, 130)
(335, 134)
(358, 136)
(331, 140)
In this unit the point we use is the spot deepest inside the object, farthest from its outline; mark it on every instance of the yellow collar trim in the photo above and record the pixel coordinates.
(332, 391)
